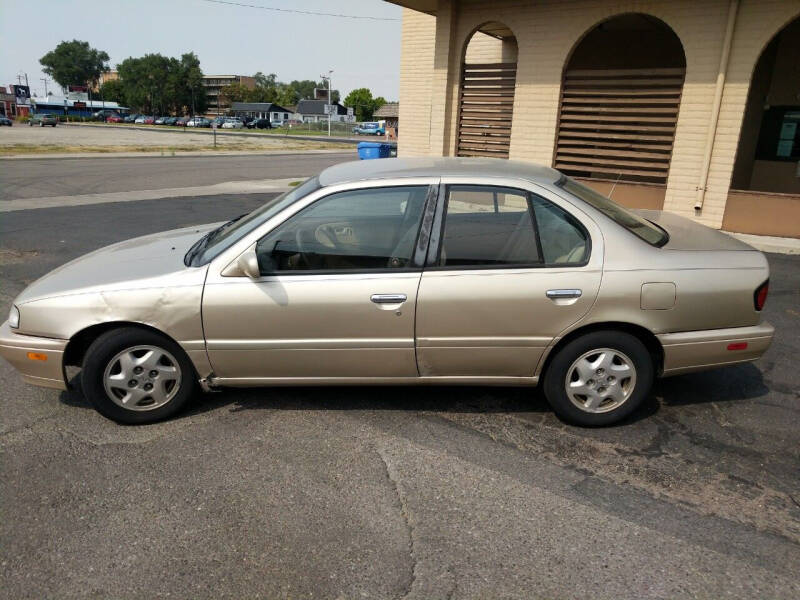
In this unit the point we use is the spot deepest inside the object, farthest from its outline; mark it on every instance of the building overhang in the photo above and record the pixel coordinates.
(426, 6)
(496, 30)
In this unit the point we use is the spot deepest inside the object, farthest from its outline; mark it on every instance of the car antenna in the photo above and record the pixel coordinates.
(613, 187)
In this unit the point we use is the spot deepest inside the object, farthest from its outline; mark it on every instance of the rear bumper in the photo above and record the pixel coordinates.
(45, 373)
(698, 350)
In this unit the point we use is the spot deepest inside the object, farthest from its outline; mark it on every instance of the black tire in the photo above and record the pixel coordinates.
(111, 343)
(556, 376)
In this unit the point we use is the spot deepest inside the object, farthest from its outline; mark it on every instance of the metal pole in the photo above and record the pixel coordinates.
(45, 80)
(330, 104)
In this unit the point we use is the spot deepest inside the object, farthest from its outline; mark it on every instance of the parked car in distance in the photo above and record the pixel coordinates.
(160, 120)
(149, 120)
(131, 118)
(114, 119)
(102, 115)
(198, 122)
(232, 123)
(217, 121)
(6, 122)
(371, 128)
(531, 278)
(140, 119)
(181, 121)
(276, 124)
(43, 119)
(259, 124)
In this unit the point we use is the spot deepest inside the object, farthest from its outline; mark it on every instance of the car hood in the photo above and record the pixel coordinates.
(154, 260)
(685, 234)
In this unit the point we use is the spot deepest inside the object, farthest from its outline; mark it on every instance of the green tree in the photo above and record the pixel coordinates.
(158, 84)
(235, 92)
(363, 103)
(75, 63)
(113, 91)
(147, 83)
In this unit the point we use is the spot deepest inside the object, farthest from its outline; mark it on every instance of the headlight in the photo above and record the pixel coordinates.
(13, 318)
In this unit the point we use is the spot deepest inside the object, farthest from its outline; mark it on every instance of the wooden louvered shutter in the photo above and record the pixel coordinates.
(618, 123)
(486, 105)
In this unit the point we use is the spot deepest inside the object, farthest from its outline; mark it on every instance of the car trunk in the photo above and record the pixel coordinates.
(685, 234)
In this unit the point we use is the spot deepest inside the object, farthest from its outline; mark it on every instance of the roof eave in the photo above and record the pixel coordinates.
(426, 6)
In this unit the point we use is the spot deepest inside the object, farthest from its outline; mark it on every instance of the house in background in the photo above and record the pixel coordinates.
(261, 110)
(313, 111)
(692, 106)
(216, 103)
(389, 112)
(8, 104)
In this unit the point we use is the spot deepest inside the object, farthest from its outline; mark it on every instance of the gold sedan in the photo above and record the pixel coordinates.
(401, 271)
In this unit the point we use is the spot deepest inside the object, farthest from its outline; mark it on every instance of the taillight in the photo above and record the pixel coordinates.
(760, 295)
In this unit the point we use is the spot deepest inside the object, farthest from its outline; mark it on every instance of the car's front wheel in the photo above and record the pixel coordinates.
(134, 376)
(599, 378)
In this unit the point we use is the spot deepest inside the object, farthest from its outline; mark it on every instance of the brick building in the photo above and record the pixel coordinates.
(217, 103)
(688, 105)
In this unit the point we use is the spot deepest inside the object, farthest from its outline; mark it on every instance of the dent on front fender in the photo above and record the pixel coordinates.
(173, 310)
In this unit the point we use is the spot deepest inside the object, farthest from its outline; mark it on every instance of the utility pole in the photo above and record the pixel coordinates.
(330, 105)
(44, 80)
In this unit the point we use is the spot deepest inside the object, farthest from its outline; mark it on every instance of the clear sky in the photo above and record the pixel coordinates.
(228, 39)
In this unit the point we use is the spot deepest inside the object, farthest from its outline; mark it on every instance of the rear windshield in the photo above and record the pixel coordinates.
(642, 228)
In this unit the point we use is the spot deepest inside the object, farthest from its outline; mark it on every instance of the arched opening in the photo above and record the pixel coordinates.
(620, 97)
(486, 92)
(768, 155)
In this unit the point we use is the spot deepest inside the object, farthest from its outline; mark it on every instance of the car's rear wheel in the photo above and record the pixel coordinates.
(134, 375)
(599, 378)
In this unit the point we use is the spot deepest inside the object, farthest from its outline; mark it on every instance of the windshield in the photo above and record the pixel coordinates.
(230, 235)
(642, 228)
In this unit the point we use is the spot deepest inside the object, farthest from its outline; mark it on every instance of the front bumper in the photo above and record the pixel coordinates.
(45, 373)
(698, 350)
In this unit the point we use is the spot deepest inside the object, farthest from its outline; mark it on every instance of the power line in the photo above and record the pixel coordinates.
(301, 12)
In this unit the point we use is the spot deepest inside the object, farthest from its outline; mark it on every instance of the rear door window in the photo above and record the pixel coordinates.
(487, 226)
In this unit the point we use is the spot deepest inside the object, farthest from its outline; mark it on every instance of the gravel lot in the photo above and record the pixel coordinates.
(75, 138)
(421, 493)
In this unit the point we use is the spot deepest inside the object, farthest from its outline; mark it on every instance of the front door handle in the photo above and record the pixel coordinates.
(563, 294)
(388, 298)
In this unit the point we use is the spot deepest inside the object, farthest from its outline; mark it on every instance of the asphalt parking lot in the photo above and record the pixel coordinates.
(393, 492)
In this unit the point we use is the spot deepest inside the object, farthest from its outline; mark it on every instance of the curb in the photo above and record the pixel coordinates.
(204, 131)
(767, 243)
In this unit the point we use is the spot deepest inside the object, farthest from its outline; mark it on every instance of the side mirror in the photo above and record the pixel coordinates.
(248, 263)
(244, 266)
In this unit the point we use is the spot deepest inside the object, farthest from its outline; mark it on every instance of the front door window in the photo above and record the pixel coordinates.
(354, 231)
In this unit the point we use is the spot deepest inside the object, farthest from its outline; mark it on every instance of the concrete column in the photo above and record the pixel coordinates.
(441, 89)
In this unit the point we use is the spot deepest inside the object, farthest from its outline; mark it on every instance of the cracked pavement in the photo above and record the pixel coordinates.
(422, 493)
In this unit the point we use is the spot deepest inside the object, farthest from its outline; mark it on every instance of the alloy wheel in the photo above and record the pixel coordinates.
(600, 380)
(142, 378)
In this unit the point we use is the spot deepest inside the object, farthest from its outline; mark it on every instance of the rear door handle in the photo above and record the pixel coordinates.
(388, 298)
(562, 294)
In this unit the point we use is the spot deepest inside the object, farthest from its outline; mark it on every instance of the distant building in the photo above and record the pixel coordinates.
(313, 111)
(389, 112)
(61, 105)
(105, 78)
(261, 110)
(217, 105)
(8, 103)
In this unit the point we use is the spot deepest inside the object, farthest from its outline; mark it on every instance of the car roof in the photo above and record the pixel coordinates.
(388, 168)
